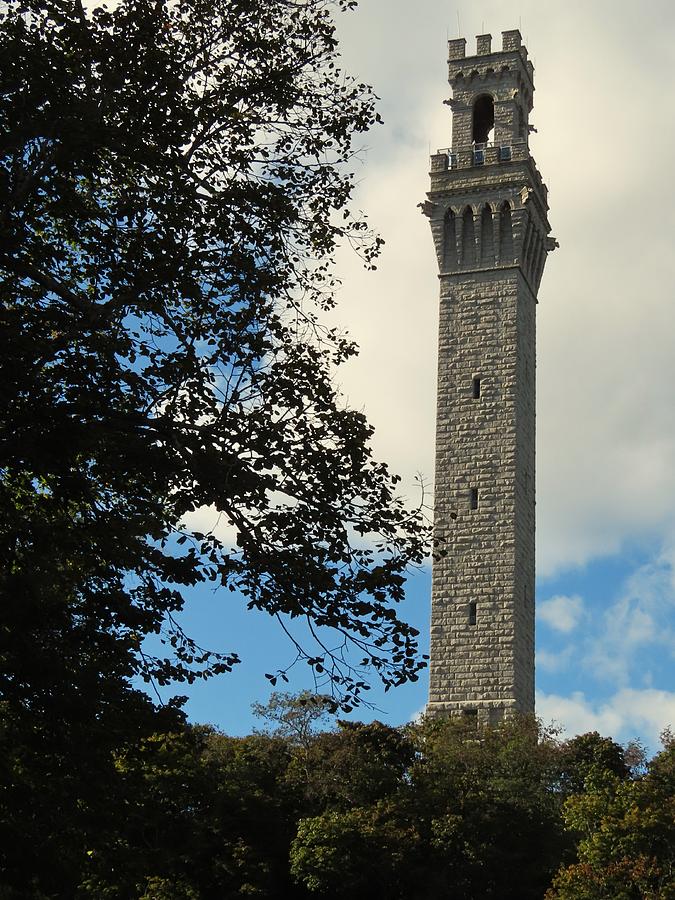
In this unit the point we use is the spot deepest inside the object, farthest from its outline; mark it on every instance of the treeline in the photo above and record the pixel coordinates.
(429, 810)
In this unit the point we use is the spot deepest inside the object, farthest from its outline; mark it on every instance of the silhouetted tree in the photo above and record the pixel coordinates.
(174, 179)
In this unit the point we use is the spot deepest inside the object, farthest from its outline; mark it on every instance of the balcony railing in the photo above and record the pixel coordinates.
(482, 154)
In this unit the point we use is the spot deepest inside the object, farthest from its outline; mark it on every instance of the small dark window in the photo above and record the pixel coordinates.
(476, 388)
(470, 716)
(473, 498)
(472, 613)
(496, 715)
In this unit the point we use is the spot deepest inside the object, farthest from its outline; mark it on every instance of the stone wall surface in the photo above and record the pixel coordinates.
(489, 225)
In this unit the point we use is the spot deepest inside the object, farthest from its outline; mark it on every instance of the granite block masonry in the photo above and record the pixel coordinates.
(488, 212)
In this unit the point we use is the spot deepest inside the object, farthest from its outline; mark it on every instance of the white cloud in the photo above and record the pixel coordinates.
(208, 520)
(640, 618)
(576, 715)
(418, 716)
(552, 662)
(606, 322)
(561, 613)
(628, 714)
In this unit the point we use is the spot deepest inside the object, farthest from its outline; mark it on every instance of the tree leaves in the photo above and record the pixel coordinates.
(170, 176)
(173, 178)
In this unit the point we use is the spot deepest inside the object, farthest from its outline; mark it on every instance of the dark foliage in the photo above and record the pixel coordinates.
(416, 813)
(174, 179)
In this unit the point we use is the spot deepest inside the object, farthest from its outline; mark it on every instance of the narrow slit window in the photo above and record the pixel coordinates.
(473, 498)
(496, 715)
(472, 613)
(470, 716)
(476, 388)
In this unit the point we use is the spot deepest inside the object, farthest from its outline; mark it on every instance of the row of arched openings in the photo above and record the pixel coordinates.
(470, 242)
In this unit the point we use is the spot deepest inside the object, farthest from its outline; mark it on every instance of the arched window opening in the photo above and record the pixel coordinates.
(526, 245)
(449, 242)
(483, 119)
(468, 239)
(505, 234)
(539, 265)
(532, 253)
(487, 237)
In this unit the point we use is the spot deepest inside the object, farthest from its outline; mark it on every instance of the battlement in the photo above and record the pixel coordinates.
(486, 61)
(492, 93)
(511, 40)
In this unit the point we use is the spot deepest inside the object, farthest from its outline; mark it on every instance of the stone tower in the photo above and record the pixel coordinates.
(488, 212)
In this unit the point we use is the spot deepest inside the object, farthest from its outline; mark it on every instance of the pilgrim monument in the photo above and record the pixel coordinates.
(488, 212)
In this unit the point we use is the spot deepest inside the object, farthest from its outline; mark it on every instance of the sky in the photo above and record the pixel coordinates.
(605, 144)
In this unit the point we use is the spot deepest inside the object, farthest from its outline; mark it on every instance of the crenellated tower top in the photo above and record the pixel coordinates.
(488, 171)
(492, 92)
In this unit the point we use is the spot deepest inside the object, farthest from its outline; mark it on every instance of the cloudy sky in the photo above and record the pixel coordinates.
(605, 116)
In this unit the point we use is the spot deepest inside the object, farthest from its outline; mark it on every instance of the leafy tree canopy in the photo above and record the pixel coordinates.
(174, 180)
(626, 835)
(295, 717)
(428, 810)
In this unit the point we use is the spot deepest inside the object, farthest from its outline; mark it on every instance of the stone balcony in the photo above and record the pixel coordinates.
(488, 154)
(485, 154)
